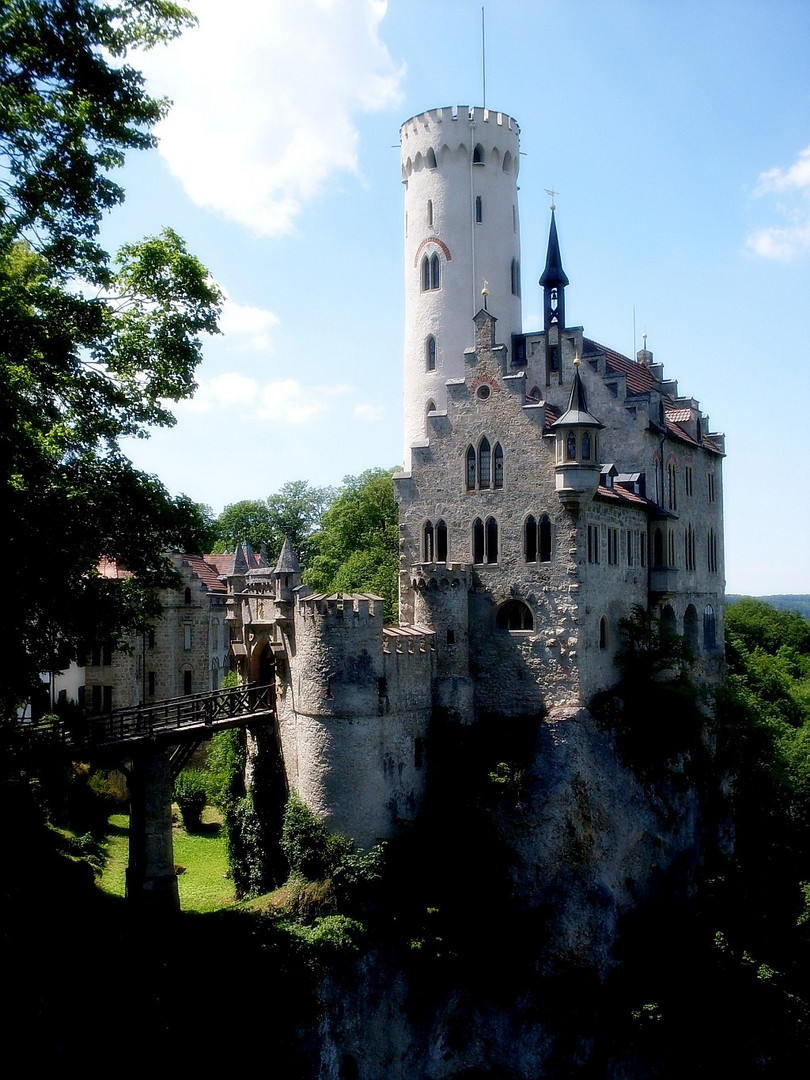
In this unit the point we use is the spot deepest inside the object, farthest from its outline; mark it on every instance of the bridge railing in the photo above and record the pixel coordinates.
(210, 710)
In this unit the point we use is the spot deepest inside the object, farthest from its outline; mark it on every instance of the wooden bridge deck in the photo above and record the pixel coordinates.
(167, 723)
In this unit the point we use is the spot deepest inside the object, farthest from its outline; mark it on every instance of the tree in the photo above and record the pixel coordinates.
(92, 346)
(357, 549)
(297, 508)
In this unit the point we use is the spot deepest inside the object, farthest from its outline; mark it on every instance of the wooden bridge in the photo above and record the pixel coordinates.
(189, 719)
(151, 744)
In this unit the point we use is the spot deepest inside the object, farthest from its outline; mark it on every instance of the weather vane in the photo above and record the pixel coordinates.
(551, 192)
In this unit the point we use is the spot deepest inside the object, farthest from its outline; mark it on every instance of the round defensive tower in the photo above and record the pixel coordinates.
(462, 229)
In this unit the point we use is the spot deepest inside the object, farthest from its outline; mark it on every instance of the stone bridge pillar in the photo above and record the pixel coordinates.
(151, 880)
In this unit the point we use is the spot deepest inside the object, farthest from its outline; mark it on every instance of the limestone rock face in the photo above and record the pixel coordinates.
(588, 841)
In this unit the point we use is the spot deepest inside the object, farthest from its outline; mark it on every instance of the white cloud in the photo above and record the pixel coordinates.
(284, 401)
(368, 413)
(265, 97)
(250, 324)
(791, 238)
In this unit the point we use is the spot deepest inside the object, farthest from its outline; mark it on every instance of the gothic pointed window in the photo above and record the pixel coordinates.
(425, 274)
(441, 541)
(497, 463)
(430, 158)
(530, 539)
(478, 540)
(484, 463)
(470, 468)
(507, 162)
(435, 272)
(571, 447)
(586, 446)
(544, 539)
(491, 540)
(427, 542)
(430, 353)
(479, 155)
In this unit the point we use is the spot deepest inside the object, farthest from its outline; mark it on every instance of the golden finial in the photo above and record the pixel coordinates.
(577, 360)
(485, 292)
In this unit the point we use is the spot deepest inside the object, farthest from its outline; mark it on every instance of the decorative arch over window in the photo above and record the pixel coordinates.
(430, 158)
(515, 277)
(603, 632)
(479, 154)
(514, 615)
(430, 353)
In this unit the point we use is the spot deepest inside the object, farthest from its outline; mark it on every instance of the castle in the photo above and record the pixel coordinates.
(550, 484)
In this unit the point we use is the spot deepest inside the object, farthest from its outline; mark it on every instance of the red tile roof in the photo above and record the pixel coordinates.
(206, 572)
(640, 379)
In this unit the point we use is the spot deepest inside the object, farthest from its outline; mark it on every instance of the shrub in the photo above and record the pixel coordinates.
(191, 796)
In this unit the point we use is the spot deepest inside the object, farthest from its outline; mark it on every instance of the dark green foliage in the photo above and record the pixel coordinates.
(654, 710)
(297, 509)
(91, 346)
(191, 796)
(310, 849)
(357, 548)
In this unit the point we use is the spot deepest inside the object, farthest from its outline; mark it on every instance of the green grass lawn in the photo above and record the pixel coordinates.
(203, 883)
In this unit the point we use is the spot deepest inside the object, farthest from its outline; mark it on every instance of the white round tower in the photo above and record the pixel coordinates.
(460, 168)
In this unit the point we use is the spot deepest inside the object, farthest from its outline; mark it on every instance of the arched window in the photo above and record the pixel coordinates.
(515, 274)
(514, 615)
(187, 597)
(484, 463)
(479, 155)
(603, 632)
(668, 619)
(711, 550)
(507, 161)
(425, 274)
(479, 209)
(544, 539)
(427, 542)
(430, 353)
(530, 539)
(478, 541)
(709, 628)
(672, 491)
(690, 627)
(491, 540)
(430, 212)
(497, 465)
(586, 446)
(430, 158)
(441, 541)
(571, 447)
(470, 467)
(435, 272)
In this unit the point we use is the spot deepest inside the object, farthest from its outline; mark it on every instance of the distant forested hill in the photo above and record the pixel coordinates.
(786, 602)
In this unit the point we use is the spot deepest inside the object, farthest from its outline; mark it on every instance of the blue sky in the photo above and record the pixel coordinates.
(677, 134)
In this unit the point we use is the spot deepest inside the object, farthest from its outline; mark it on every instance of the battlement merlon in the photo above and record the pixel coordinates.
(455, 113)
(352, 606)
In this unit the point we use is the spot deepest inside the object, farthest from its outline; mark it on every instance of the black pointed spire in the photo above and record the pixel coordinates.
(553, 281)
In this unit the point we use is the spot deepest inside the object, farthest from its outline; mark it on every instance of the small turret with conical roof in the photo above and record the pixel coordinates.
(288, 570)
(577, 430)
(553, 281)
